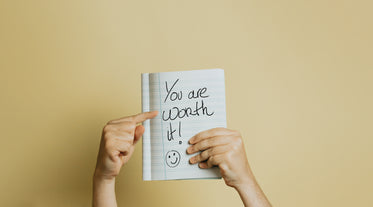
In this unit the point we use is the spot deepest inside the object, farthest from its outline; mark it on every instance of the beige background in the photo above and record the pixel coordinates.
(299, 81)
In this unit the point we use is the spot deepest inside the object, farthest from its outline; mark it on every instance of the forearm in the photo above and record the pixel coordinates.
(103, 192)
(252, 195)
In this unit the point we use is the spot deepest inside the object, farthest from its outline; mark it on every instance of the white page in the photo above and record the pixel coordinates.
(167, 155)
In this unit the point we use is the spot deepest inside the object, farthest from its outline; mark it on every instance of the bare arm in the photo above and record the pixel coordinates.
(117, 145)
(224, 148)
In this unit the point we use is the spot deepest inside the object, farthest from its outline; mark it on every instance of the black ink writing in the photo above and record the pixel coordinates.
(176, 112)
(198, 94)
(173, 94)
(170, 132)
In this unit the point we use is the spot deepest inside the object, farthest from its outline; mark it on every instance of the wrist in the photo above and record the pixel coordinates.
(99, 176)
(103, 190)
(241, 186)
(244, 183)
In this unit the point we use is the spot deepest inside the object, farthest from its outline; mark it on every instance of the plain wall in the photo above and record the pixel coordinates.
(299, 87)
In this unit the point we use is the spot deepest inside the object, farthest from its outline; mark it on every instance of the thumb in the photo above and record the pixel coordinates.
(139, 131)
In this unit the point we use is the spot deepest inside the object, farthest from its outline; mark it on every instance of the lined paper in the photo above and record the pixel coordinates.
(188, 102)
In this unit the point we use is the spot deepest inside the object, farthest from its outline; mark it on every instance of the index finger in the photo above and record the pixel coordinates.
(209, 133)
(138, 118)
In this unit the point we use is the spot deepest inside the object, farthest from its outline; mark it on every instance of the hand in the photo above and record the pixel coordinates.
(224, 148)
(118, 143)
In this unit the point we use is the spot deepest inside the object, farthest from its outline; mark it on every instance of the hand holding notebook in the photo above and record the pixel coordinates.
(190, 105)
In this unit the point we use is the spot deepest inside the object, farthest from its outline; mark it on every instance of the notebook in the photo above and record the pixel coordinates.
(188, 102)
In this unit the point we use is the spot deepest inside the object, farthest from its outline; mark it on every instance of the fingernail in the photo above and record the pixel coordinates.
(191, 160)
(191, 140)
(202, 165)
(189, 150)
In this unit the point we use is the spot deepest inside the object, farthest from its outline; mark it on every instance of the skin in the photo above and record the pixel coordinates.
(224, 148)
(215, 147)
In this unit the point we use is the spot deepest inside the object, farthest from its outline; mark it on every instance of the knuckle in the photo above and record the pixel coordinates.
(108, 136)
(212, 159)
(192, 148)
(204, 154)
(199, 146)
(195, 148)
(106, 128)
(238, 141)
(209, 142)
(199, 158)
(212, 151)
(204, 144)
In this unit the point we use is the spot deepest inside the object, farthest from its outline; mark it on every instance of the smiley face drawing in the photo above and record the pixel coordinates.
(173, 158)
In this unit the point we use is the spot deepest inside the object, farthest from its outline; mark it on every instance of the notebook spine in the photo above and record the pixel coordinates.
(146, 146)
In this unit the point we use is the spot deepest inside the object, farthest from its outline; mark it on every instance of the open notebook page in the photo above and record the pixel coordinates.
(188, 102)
